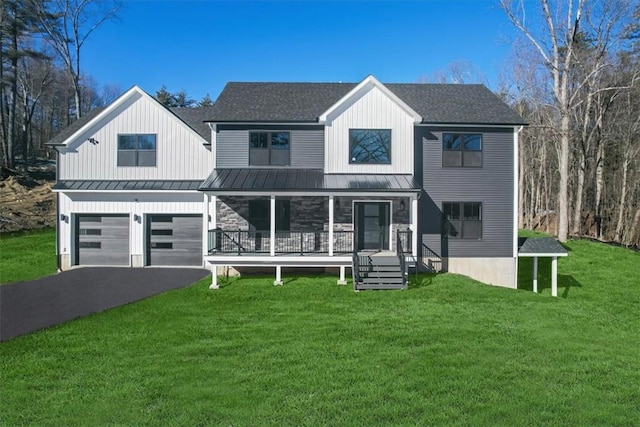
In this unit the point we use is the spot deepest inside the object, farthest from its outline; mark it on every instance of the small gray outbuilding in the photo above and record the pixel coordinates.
(546, 247)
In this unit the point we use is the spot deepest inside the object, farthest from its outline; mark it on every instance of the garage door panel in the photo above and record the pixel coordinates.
(174, 240)
(102, 240)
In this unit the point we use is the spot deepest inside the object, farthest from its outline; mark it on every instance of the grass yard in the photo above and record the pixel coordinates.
(446, 351)
(27, 255)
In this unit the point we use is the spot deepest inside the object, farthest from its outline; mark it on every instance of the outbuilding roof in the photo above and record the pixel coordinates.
(305, 102)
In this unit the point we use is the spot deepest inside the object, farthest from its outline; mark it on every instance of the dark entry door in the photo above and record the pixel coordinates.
(372, 225)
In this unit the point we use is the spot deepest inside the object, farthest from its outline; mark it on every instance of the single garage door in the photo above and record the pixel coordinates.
(102, 239)
(174, 240)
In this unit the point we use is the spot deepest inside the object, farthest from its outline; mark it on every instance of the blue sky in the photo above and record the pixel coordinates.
(200, 45)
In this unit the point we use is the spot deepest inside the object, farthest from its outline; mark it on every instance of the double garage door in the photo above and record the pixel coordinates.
(170, 239)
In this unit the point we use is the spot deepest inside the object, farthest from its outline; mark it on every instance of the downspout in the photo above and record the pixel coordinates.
(58, 262)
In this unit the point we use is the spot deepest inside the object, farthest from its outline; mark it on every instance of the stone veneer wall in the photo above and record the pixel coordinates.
(311, 213)
(306, 213)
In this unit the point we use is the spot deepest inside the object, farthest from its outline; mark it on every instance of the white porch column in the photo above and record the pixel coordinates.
(342, 280)
(554, 276)
(414, 227)
(535, 274)
(272, 240)
(206, 225)
(214, 277)
(214, 212)
(278, 281)
(330, 225)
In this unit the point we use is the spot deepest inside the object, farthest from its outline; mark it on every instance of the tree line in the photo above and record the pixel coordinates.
(575, 77)
(42, 86)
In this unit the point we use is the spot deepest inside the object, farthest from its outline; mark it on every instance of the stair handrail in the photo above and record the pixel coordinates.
(402, 258)
(355, 267)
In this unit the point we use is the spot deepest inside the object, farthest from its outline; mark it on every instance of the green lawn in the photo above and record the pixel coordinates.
(27, 255)
(446, 351)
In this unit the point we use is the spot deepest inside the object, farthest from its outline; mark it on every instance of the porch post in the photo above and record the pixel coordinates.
(414, 227)
(272, 240)
(206, 226)
(535, 274)
(278, 281)
(342, 280)
(214, 277)
(214, 212)
(330, 225)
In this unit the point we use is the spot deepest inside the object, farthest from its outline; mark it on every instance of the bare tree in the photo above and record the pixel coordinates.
(565, 27)
(76, 21)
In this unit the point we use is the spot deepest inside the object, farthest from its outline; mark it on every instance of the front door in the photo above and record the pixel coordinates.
(371, 222)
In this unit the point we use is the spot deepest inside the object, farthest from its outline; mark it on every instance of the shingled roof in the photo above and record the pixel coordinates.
(192, 117)
(195, 117)
(305, 102)
(65, 133)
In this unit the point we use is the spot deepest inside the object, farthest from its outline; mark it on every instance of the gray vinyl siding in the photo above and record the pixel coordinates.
(491, 185)
(307, 149)
(307, 146)
(232, 149)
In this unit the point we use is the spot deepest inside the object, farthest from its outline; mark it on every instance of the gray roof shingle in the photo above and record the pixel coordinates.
(65, 133)
(305, 102)
(195, 117)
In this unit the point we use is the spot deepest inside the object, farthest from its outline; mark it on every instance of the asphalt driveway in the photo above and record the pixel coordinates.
(28, 306)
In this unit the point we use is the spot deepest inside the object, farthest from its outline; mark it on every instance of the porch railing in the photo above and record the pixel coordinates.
(242, 242)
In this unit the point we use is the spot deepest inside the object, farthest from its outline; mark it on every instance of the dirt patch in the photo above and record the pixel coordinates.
(26, 203)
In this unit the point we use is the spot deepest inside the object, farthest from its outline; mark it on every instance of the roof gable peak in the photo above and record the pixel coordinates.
(365, 86)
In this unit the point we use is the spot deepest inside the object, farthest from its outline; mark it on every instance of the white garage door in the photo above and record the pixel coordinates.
(102, 239)
(174, 240)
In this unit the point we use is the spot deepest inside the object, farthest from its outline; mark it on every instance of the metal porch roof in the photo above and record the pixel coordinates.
(311, 180)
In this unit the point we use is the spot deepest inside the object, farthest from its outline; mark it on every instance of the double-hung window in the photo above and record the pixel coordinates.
(462, 150)
(370, 146)
(137, 150)
(269, 148)
(462, 220)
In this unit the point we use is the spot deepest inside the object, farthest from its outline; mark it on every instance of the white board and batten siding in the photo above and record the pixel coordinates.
(132, 204)
(373, 109)
(180, 153)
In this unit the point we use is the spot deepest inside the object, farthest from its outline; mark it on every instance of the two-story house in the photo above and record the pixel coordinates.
(366, 177)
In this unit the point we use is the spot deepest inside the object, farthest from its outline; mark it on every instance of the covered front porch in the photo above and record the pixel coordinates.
(306, 221)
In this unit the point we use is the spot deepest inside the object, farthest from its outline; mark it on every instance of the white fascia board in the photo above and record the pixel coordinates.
(173, 115)
(115, 104)
(467, 125)
(281, 260)
(264, 123)
(127, 191)
(541, 255)
(371, 80)
(119, 101)
(313, 193)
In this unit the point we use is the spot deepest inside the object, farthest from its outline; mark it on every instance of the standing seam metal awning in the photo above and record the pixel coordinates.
(546, 247)
(308, 180)
(121, 185)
